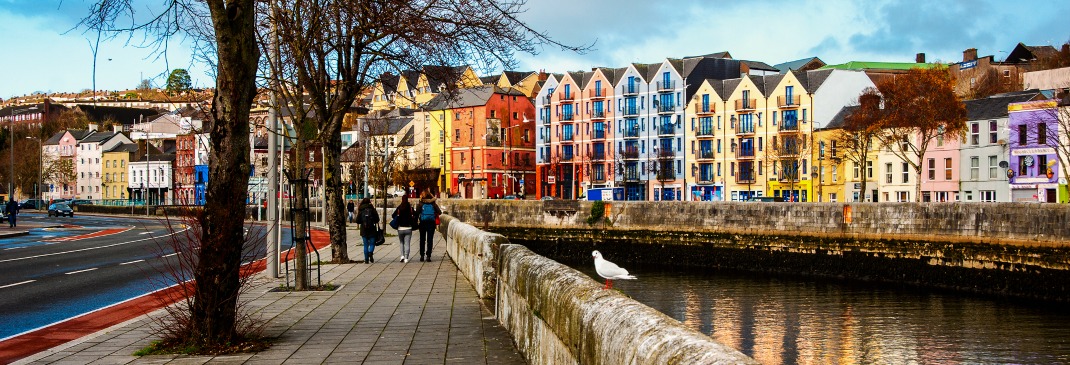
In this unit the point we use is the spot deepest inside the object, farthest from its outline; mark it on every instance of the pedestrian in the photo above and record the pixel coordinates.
(368, 219)
(428, 216)
(350, 208)
(12, 210)
(406, 219)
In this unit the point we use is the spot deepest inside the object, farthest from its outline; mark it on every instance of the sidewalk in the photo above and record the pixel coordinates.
(384, 313)
(24, 225)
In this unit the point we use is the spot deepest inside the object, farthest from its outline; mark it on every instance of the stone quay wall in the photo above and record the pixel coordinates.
(558, 315)
(1004, 249)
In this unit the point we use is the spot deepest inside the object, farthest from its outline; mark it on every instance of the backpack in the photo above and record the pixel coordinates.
(427, 212)
(366, 217)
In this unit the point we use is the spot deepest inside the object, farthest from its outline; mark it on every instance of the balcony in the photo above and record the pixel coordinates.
(596, 93)
(631, 176)
(704, 155)
(631, 112)
(745, 178)
(787, 151)
(666, 155)
(666, 175)
(630, 153)
(745, 153)
(704, 131)
(666, 109)
(545, 100)
(598, 156)
(705, 177)
(666, 86)
(786, 177)
(568, 117)
(667, 129)
(567, 137)
(567, 157)
(705, 109)
(788, 126)
(598, 114)
(599, 134)
(630, 90)
(788, 102)
(598, 179)
(743, 105)
(745, 129)
(566, 97)
(632, 132)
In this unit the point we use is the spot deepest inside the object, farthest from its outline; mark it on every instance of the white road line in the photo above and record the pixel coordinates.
(14, 248)
(166, 256)
(86, 249)
(11, 285)
(131, 262)
(150, 232)
(80, 271)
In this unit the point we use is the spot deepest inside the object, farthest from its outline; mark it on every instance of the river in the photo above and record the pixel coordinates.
(789, 320)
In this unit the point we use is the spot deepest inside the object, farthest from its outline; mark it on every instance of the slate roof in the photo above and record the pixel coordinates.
(813, 79)
(516, 76)
(1024, 53)
(124, 147)
(493, 79)
(759, 65)
(98, 137)
(467, 97)
(798, 64)
(995, 106)
(838, 120)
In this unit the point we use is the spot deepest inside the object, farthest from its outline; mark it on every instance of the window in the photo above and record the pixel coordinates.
(992, 136)
(975, 133)
(854, 168)
(906, 172)
(1042, 133)
(988, 195)
(442, 136)
(902, 196)
(888, 173)
(931, 168)
(835, 174)
(869, 169)
(975, 168)
(947, 169)
(993, 173)
(457, 135)
(1022, 130)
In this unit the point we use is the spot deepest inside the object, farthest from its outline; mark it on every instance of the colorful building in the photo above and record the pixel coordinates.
(1034, 169)
(984, 150)
(116, 183)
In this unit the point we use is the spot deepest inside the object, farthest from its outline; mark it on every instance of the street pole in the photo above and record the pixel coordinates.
(274, 234)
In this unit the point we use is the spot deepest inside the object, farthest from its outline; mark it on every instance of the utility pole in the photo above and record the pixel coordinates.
(272, 173)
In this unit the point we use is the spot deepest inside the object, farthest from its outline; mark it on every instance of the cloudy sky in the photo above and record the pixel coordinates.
(41, 52)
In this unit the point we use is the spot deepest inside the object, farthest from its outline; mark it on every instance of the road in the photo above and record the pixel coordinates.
(92, 262)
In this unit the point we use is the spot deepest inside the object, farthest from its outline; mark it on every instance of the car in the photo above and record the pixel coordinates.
(32, 204)
(512, 197)
(77, 202)
(765, 199)
(60, 209)
(547, 198)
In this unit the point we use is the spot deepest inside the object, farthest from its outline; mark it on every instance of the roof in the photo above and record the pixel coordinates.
(98, 137)
(122, 115)
(516, 76)
(759, 65)
(124, 147)
(995, 106)
(867, 65)
(492, 79)
(1024, 53)
(813, 79)
(841, 116)
(55, 138)
(468, 97)
(802, 64)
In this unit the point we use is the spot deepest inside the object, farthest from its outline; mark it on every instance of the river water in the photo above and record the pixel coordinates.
(789, 320)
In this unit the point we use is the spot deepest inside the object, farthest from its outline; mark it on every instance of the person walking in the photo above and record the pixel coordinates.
(12, 210)
(406, 219)
(350, 208)
(428, 215)
(368, 219)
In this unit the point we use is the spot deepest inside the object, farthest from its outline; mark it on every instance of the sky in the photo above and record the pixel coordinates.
(43, 50)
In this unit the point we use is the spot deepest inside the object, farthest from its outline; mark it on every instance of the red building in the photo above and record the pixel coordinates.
(493, 147)
(185, 150)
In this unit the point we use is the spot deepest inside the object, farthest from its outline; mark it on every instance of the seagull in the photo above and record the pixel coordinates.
(609, 270)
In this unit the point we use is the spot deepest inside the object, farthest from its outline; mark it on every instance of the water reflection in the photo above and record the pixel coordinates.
(798, 321)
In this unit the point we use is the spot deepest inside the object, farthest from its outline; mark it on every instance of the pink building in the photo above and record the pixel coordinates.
(60, 152)
(940, 171)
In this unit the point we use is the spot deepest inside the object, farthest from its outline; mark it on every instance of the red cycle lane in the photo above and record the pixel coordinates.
(56, 334)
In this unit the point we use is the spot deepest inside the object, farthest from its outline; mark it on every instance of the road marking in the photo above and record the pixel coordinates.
(166, 256)
(85, 249)
(11, 285)
(80, 271)
(131, 262)
(150, 232)
(14, 248)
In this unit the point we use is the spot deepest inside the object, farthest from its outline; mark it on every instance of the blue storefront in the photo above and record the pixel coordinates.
(200, 173)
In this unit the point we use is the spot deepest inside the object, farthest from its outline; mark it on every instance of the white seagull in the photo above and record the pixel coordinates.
(609, 270)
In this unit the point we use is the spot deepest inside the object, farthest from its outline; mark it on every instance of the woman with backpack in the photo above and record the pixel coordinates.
(368, 219)
(428, 212)
(406, 219)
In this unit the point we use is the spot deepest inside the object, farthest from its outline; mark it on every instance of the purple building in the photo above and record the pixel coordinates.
(1034, 170)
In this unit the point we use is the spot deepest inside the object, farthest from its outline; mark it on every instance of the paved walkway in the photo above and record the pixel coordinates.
(384, 313)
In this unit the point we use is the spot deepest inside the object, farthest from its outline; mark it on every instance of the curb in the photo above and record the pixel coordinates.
(13, 234)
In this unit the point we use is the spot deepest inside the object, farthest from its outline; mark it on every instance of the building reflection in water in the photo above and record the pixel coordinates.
(780, 320)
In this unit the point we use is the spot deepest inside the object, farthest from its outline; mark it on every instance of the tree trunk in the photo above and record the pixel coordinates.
(216, 276)
(334, 195)
(300, 215)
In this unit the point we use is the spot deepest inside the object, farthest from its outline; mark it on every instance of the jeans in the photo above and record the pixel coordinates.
(369, 247)
(11, 220)
(404, 235)
(427, 235)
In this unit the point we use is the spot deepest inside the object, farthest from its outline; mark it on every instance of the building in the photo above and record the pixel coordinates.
(60, 160)
(31, 115)
(413, 88)
(982, 76)
(89, 165)
(116, 182)
(984, 149)
(184, 179)
(151, 175)
(1034, 169)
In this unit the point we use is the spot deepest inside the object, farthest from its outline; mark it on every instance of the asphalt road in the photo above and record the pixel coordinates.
(54, 274)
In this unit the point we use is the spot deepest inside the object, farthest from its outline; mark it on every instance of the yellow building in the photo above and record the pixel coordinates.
(830, 180)
(113, 173)
(436, 117)
(747, 161)
(705, 143)
(789, 146)
(411, 89)
(526, 82)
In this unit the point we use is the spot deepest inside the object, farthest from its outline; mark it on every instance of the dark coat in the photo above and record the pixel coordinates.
(368, 219)
(420, 208)
(405, 214)
(12, 207)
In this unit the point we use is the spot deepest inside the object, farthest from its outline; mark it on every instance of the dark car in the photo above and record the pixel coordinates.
(77, 202)
(766, 199)
(512, 197)
(59, 210)
(32, 204)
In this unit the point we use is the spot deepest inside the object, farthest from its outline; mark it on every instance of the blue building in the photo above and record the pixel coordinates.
(200, 182)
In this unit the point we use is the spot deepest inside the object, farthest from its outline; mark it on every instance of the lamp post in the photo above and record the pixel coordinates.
(40, 166)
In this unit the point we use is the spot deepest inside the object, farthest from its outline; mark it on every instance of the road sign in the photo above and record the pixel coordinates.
(521, 181)
(411, 183)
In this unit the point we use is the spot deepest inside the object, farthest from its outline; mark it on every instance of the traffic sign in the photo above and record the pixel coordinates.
(521, 181)
(411, 183)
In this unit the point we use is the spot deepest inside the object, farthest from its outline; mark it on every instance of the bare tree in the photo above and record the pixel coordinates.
(919, 107)
(787, 152)
(224, 32)
(338, 48)
(857, 137)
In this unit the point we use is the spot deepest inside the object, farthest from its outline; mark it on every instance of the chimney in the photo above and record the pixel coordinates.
(543, 75)
(969, 54)
(919, 58)
(117, 128)
(92, 127)
(1066, 49)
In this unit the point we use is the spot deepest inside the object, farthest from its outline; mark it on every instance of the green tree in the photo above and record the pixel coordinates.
(179, 82)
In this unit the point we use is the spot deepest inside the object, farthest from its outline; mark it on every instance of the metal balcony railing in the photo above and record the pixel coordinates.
(666, 108)
(745, 128)
(596, 93)
(566, 97)
(666, 155)
(704, 131)
(701, 109)
(598, 114)
(567, 117)
(746, 104)
(599, 134)
(598, 156)
(667, 129)
(631, 112)
(705, 154)
(786, 102)
(630, 153)
(745, 153)
(666, 86)
(788, 126)
(630, 90)
(632, 132)
(745, 178)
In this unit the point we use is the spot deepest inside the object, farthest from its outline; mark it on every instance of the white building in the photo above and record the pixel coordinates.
(88, 165)
(150, 178)
(985, 147)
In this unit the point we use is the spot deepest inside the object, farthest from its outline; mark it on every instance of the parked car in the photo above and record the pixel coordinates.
(33, 204)
(547, 198)
(512, 197)
(766, 199)
(59, 210)
(77, 202)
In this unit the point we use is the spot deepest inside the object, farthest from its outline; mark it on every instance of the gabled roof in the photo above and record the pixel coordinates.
(759, 65)
(468, 97)
(618, 74)
(838, 120)
(98, 137)
(812, 80)
(123, 115)
(1023, 53)
(730, 86)
(723, 54)
(804, 64)
(516, 76)
(995, 106)
(124, 147)
(492, 79)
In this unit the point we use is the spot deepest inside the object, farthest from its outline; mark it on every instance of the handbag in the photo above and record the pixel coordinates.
(380, 236)
(394, 223)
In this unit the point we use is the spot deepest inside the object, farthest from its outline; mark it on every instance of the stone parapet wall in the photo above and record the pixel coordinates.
(558, 315)
(1014, 223)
